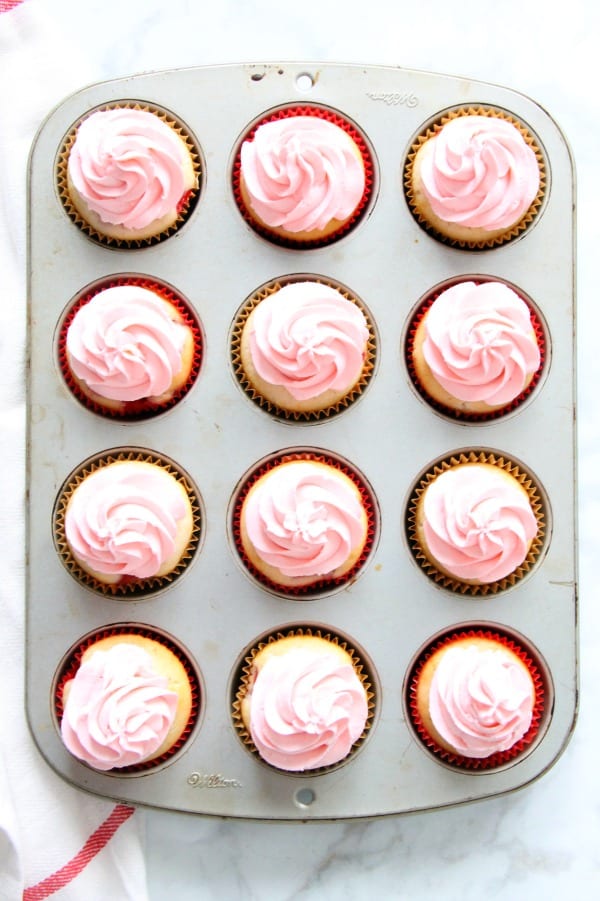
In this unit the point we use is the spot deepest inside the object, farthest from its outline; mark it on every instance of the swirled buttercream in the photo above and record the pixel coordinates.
(480, 344)
(480, 700)
(129, 167)
(480, 172)
(124, 344)
(302, 172)
(118, 710)
(477, 522)
(307, 710)
(123, 518)
(309, 339)
(304, 519)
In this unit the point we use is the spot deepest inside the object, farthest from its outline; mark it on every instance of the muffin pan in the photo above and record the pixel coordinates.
(217, 435)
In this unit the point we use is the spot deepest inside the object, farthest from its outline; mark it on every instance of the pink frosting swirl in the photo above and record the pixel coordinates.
(118, 710)
(478, 524)
(480, 172)
(308, 338)
(480, 345)
(305, 519)
(128, 165)
(307, 710)
(481, 700)
(124, 345)
(302, 172)
(122, 519)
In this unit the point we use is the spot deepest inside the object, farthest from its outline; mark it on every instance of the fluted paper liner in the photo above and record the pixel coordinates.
(526, 220)
(301, 416)
(128, 587)
(246, 677)
(186, 204)
(537, 506)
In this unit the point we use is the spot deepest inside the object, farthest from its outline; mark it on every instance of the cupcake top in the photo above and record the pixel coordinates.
(130, 169)
(478, 344)
(301, 172)
(304, 519)
(478, 171)
(306, 706)
(126, 345)
(477, 523)
(308, 339)
(128, 518)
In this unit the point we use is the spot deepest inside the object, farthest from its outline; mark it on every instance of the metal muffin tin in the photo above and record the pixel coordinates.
(217, 434)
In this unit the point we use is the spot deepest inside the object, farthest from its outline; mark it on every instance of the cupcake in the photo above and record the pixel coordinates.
(475, 349)
(303, 176)
(128, 703)
(130, 350)
(304, 348)
(302, 523)
(130, 174)
(475, 178)
(127, 525)
(476, 699)
(304, 702)
(476, 523)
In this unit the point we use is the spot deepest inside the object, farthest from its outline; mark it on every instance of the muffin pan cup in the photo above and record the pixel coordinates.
(216, 434)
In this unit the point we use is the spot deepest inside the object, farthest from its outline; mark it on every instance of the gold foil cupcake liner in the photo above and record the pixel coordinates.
(127, 588)
(70, 666)
(244, 680)
(537, 505)
(300, 416)
(143, 408)
(541, 704)
(329, 115)
(526, 220)
(186, 205)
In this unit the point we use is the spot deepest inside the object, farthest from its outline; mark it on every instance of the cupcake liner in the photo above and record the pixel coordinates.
(330, 115)
(73, 663)
(468, 416)
(244, 677)
(301, 416)
(144, 408)
(321, 585)
(186, 204)
(510, 233)
(500, 758)
(128, 587)
(537, 506)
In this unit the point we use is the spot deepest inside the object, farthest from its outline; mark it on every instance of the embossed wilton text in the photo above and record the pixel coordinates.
(395, 98)
(212, 780)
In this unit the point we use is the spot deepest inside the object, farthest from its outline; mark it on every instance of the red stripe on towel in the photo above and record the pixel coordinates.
(6, 5)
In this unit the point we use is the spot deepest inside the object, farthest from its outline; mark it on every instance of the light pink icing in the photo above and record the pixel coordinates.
(128, 166)
(118, 709)
(124, 345)
(479, 171)
(122, 519)
(308, 338)
(307, 710)
(477, 524)
(481, 700)
(301, 172)
(480, 345)
(304, 519)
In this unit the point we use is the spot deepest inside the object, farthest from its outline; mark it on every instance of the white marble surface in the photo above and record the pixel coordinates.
(541, 842)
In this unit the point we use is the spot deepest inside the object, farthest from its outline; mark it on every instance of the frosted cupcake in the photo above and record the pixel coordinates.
(130, 174)
(475, 349)
(130, 350)
(303, 176)
(303, 349)
(127, 703)
(304, 702)
(475, 178)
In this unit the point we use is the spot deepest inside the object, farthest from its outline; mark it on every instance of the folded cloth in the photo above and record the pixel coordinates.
(55, 841)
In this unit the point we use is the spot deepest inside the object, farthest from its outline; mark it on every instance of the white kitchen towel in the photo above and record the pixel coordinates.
(55, 841)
